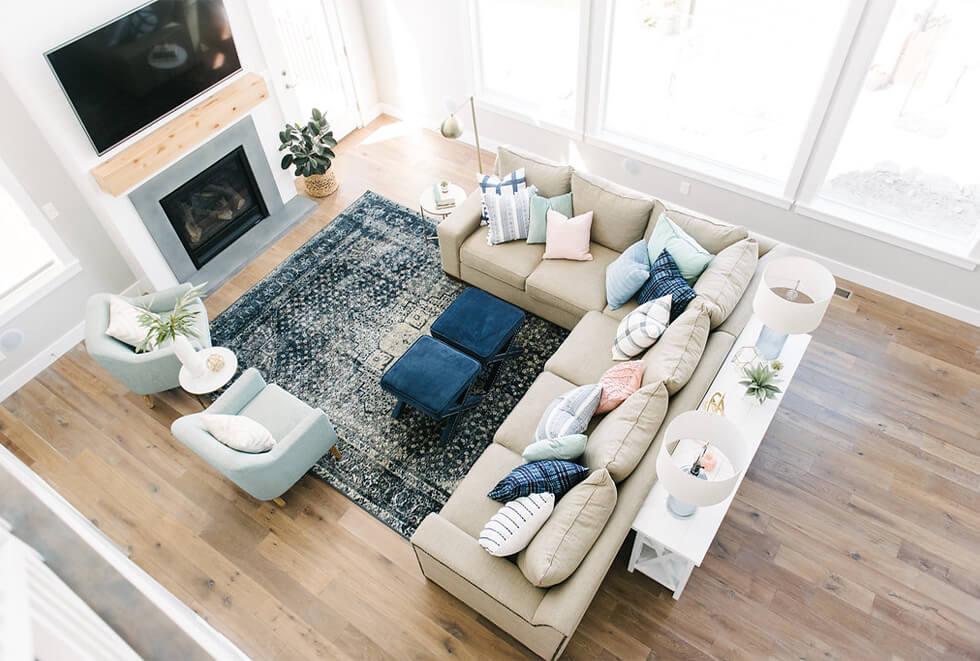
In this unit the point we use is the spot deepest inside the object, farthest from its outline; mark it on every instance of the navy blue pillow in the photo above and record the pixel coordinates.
(552, 476)
(666, 278)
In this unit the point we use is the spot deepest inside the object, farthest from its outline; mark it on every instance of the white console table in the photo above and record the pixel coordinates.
(667, 549)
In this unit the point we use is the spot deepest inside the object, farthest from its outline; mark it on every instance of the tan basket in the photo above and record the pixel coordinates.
(321, 185)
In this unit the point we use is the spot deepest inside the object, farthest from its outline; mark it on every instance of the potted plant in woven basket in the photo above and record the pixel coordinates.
(309, 150)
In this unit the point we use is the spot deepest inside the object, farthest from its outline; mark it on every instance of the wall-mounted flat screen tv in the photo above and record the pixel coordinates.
(132, 71)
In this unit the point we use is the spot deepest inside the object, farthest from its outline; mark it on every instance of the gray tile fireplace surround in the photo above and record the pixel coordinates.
(236, 256)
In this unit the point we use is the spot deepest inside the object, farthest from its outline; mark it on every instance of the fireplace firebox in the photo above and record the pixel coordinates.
(215, 207)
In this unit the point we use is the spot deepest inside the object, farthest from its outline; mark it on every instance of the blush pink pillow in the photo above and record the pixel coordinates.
(618, 383)
(568, 238)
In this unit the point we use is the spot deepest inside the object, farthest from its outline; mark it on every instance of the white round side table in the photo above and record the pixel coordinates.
(427, 202)
(207, 381)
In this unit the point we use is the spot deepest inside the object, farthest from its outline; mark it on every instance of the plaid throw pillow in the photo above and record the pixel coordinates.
(641, 328)
(666, 278)
(552, 476)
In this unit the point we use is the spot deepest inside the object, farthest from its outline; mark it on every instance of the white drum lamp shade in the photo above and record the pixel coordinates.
(720, 433)
(794, 295)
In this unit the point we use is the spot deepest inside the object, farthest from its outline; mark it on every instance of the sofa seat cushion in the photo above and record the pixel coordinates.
(469, 508)
(620, 313)
(508, 262)
(550, 178)
(517, 430)
(575, 287)
(620, 215)
(586, 353)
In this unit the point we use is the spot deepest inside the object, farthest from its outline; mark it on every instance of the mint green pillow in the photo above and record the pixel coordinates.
(690, 257)
(538, 229)
(564, 447)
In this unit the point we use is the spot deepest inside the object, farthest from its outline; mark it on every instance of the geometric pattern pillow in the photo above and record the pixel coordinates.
(627, 274)
(569, 413)
(666, 278)
(641, 328)
(493, 185)
(515, 524)
(552, 476)
(619, 382)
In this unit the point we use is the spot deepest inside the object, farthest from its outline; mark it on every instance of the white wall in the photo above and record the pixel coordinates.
(420, 50)
(27, 31)
(56, 315)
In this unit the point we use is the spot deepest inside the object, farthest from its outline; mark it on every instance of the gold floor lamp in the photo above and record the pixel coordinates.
(452, 129)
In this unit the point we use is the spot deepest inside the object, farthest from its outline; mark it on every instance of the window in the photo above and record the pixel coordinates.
(25, 256)
(909, 153)
(527, 56)
(731, 82)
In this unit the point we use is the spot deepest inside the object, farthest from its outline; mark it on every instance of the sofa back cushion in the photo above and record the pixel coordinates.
(675, 355)
(620, 215)
(566, 537)
(621, 438)
(551, 178)
(710, 235)
(723, 283)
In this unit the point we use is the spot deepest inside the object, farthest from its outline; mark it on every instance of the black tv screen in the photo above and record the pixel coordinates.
(132, 71)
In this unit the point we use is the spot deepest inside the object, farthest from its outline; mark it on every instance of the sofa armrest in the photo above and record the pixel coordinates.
(456, 228)
(498, 578)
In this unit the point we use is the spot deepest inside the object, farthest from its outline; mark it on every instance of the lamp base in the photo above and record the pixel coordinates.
(680, 509)
(770, 343)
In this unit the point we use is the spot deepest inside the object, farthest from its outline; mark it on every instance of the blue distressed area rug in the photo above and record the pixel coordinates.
(329, 321)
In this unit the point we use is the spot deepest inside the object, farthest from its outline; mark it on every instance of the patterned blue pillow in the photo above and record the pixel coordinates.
(552, 476)
(626, 275)
(492, 186)
(666, 278)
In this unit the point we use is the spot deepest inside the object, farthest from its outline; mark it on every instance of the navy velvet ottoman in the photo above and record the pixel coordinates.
(482, 326)
(435, 379)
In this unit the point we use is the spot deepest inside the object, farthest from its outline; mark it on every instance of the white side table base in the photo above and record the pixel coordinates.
(655, 560)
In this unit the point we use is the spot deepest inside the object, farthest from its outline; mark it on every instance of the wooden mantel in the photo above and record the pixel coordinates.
(163, 146)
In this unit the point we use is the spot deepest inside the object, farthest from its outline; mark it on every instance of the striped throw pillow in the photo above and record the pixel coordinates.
(666, 278)
(627, 274)
(512, 528)
(570, 413)
(508, 207)
(641, 328)
(551, 476)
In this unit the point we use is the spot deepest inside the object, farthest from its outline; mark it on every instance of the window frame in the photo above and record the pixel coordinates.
(62, 268)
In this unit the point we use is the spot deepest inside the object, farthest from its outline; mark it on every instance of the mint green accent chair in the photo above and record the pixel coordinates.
(143, 373)
(303, 436)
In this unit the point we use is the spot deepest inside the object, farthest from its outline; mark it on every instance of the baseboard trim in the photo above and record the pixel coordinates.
(19, 377)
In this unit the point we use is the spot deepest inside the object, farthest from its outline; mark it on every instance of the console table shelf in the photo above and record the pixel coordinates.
(667, 549)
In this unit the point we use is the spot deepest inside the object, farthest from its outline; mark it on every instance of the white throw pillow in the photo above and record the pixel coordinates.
(515, 524)
(238, 432)
(641, 328)
(124, 322)
(569, 413)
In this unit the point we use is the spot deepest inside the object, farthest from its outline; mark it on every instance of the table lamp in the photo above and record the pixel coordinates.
(791, 299)
(687, 490)
(452, 129)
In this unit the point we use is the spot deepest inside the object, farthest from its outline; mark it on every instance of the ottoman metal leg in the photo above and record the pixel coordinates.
(397, 411)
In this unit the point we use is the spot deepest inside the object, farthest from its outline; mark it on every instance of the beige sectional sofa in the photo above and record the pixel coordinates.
(571, 294)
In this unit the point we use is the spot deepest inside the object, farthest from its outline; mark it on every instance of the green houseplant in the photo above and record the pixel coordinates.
(309, 150)
(760, 382)
(164, 328)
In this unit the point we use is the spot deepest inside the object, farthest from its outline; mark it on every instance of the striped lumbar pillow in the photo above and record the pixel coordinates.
(641, 328)
(514, 525)
(507, 203)
(570, 413)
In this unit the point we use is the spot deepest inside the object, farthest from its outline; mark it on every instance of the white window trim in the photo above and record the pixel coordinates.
(63, 267)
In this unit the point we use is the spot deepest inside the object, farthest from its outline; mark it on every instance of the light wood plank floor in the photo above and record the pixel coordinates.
(855, 535)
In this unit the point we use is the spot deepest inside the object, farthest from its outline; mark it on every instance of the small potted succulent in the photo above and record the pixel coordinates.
(309, 150)
(760, 382)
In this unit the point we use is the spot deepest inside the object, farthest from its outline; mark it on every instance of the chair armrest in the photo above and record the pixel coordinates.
(456, 228)
(163, 300)
(238, 394)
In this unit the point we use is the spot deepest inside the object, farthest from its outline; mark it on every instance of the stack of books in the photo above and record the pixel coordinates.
(443, 201)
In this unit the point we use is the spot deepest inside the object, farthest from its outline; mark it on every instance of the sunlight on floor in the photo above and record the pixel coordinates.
(391, 131)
